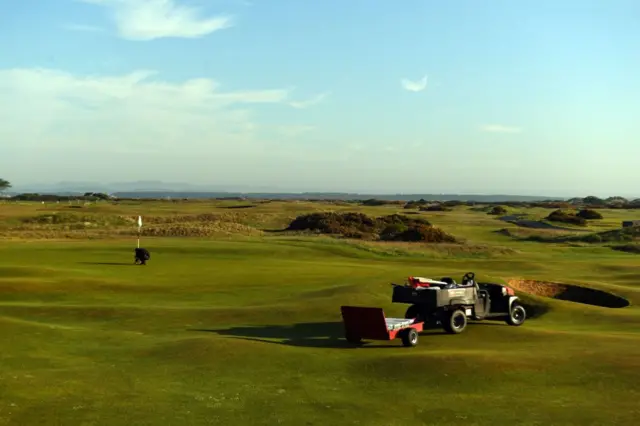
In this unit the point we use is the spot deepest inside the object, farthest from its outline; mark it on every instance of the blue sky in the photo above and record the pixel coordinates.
(521, 97)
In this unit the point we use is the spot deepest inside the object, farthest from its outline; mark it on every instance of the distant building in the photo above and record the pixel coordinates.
(628, 223)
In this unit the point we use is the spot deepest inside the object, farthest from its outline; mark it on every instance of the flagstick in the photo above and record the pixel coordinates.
(139, 229)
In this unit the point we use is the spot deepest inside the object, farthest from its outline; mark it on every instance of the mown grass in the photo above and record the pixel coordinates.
(245, 329)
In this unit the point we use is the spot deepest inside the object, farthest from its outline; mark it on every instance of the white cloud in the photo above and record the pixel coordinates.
(414, 86)
(499, 128)
(309, 102)
(144, 20)
(48, 111)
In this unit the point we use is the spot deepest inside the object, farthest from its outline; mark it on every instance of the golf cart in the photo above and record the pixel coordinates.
(447, 304)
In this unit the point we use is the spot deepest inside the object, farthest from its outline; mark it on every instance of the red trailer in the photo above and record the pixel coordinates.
(371, 323)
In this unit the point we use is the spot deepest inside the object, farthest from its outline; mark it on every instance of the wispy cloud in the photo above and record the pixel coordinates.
(499, 128)
(144, 20)
(309, 102)
(83, 28)
(414, 86)
(69, 113)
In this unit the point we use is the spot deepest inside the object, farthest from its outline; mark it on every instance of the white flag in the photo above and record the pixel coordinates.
(139, 221)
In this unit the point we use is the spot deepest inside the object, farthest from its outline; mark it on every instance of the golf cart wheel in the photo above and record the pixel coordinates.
(456, 322)
(413, 312)
(410, 337)
(353, 339)
(517, 315)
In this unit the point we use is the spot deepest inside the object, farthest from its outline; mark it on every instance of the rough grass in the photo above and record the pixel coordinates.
(628, 234)
(246, 329)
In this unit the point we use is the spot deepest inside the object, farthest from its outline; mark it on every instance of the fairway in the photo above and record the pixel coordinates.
(234, 322)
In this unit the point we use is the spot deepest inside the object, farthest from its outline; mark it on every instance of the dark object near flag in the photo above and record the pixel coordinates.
(141, 256)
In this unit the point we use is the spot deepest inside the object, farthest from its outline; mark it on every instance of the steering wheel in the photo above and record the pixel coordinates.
(469, 276)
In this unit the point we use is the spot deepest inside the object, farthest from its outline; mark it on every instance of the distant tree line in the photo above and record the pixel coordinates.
(4, 185)
(89, 196)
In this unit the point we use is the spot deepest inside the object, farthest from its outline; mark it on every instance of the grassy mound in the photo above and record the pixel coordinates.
(393, 227)
(628, 234)
(571, 293)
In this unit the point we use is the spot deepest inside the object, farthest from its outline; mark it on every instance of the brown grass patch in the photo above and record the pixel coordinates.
(103, 226)
(194, 230)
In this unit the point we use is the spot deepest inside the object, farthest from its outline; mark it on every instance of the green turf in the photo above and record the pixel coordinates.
(246, 330)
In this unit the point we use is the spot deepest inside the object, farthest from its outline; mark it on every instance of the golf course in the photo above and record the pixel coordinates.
(235, 319)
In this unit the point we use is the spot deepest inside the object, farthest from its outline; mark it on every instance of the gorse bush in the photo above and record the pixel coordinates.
(372, 202)
(589, 214)
(436, 208)
(393, 227)
(420, 233)
(568, 217)
(497, 210)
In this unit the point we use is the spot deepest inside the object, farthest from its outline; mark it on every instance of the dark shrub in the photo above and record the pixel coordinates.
(401, 219)
(333, 223)
(393, 231)
(595, 201)
(426, 234)
(589, 214)
(436, 208)
(375, 202)
(414, 204)
(627, 248)
(566, 217)
(393, 227)
(497, 210)
(592, 238)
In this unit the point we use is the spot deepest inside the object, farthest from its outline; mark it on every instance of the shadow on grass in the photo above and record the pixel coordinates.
(108, 263)
(239, 207)
(310, 335)
(276, 231)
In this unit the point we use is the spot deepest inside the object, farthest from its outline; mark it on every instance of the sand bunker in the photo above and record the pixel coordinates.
(571, 293)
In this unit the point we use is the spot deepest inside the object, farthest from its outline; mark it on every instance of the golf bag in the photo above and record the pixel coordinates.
(141, 256)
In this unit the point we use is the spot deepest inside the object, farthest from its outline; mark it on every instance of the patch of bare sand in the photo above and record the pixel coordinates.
(569, 292)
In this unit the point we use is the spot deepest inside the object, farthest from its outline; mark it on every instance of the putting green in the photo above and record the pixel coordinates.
(247, 331)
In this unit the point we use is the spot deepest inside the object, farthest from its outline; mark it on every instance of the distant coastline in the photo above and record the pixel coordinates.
(304, 196)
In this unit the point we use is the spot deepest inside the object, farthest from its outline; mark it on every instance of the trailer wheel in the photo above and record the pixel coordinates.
(410, 337)
(455, 322)
(517, 315)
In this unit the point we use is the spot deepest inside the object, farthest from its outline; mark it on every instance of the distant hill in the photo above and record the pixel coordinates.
(159, 189)
(331, 195)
